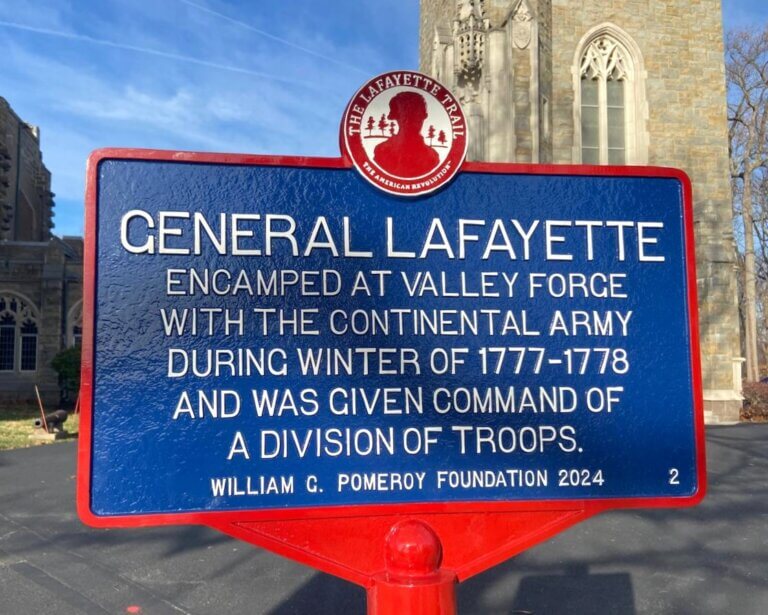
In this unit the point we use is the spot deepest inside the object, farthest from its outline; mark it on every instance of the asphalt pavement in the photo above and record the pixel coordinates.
(712, 559)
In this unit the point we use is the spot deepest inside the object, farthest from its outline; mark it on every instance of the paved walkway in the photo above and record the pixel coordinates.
(708, 560)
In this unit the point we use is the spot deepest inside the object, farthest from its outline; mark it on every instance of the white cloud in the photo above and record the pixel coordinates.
(87, 95)
(80, 111)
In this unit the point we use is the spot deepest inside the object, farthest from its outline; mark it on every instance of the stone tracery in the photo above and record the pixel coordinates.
(605, 58)
(16, 308)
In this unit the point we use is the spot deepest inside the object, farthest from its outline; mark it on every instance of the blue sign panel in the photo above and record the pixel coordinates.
(271, 337)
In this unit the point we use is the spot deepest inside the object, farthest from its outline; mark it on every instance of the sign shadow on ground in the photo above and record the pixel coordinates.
(576, 591)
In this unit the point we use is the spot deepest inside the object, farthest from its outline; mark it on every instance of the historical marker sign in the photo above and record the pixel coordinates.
(274, 340)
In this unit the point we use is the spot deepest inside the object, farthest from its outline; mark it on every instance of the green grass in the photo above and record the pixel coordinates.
(16, 426)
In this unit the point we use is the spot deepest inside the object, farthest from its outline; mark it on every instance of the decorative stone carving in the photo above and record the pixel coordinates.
(606, 59)
(470, 32)
(522, 26)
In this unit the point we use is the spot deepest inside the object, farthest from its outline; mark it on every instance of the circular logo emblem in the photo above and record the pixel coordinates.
(405, 133)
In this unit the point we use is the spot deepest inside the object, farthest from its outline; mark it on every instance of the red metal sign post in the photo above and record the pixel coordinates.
(413, 581)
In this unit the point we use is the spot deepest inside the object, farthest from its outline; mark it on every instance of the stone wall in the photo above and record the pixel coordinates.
(48, 275)
(26, 201)
(503, 80)
(680, 121)
(682, 51)
(433, 12)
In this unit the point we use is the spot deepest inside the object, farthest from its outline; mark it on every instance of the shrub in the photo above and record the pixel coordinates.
(755, 402)
(67, 365)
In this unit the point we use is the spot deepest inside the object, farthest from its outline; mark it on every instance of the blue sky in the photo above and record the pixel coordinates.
(258, 76)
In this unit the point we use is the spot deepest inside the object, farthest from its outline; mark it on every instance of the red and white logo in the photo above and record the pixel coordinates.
(405, 133)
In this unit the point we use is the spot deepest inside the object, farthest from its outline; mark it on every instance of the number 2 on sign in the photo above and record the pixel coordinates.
(674, 476)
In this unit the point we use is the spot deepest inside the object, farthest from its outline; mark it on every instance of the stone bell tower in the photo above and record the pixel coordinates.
(597, 82)
(496, 55)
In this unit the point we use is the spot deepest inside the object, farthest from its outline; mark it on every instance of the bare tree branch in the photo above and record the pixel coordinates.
(747, 74)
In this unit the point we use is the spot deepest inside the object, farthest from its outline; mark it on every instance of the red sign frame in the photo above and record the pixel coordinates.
(347, 541)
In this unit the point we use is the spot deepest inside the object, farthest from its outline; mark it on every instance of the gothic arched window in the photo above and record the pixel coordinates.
(7, 342)
(18, 334)
(604, 75)
(610, 100)
(75, 325)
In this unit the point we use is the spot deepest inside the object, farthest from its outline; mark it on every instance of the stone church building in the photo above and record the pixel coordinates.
(637, 82)
(41, 275)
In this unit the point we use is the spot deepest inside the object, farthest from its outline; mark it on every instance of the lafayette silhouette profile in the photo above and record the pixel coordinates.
(404, 153)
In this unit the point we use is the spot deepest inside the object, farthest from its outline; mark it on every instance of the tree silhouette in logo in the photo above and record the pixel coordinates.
(405, 154)
(370, 124)
(441, 138)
